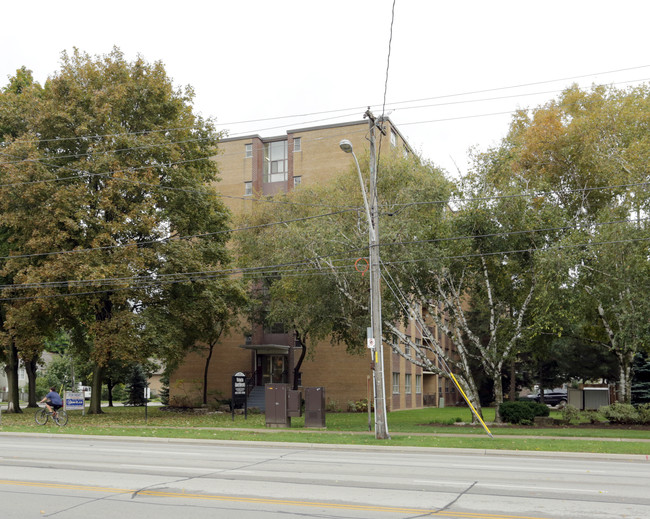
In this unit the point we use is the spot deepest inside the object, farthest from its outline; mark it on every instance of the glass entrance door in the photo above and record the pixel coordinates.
(273, 369)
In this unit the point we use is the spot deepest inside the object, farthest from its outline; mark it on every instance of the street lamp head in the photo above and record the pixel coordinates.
(346, 146)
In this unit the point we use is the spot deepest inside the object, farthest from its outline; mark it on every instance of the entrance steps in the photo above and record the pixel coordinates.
(256, 398)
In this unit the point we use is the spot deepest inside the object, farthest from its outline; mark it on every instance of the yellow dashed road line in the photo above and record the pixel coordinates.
(253, 500)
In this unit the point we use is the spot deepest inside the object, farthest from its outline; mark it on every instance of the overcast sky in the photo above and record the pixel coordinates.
(254, 59)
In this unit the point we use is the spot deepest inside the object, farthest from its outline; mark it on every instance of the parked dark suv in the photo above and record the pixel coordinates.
(554, 397)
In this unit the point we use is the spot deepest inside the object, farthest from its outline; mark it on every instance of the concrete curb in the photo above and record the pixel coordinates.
(345, 447)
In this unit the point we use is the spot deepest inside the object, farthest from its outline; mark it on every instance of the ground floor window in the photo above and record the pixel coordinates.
(396, 383)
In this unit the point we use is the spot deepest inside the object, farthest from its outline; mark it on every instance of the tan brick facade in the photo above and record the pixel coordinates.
(316, 158)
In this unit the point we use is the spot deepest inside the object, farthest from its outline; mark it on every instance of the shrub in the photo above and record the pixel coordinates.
(620, 413)
(644, 413)
(522, 412)
(571, 413)
(593, 416)
(360, 406)
(332, 406)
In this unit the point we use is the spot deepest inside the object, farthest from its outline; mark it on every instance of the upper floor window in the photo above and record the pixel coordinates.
(248, 188)
(393, 138)
(296, 181)
(396, 383)
(248, 151)
(297, 144)
(275, 161)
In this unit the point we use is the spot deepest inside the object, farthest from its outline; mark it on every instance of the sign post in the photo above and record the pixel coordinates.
(239, 394)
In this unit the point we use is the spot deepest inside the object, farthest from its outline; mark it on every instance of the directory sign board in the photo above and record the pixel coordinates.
(74, 400)
(239, 393)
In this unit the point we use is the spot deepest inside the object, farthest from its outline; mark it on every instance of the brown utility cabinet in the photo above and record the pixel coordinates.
(275, 397)
(294, 402)
(314, 407)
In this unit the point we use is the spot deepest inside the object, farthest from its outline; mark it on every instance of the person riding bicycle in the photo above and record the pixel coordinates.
(52, 401)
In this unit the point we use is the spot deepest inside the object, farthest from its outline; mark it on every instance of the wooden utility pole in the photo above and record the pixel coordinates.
(381, 426)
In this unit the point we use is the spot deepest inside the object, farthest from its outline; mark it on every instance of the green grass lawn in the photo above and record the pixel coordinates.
(416, 428)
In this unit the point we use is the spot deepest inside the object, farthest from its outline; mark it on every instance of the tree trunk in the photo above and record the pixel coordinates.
(512, 395)
(95, 406)
(205, 373)
(31, 368)
(11, 370)
(498, 395)
(625, 377)
(109, 390)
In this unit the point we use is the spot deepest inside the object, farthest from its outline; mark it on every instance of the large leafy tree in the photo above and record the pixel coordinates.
(316, 285)
(193, 316)
(587, 152)
(113, 172)
(18, 102)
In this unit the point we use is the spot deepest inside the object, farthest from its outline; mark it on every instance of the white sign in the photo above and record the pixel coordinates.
(371, 342)
(74, 400)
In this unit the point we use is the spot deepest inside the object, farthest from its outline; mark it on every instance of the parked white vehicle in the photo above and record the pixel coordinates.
(87, 391)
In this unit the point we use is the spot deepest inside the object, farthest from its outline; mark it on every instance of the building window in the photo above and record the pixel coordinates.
(393, 138)
(248, 188)
(396, 383)
(297, 144)
(407, 383)
(296, 181)
(418, 384)
(275, 161)
(248, 151)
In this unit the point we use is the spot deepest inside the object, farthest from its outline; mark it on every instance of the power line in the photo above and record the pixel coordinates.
(275, 270)
(105, 152)
(324, 112)
(103, 136)
(350, 209)
(521, 195)
(141, 244)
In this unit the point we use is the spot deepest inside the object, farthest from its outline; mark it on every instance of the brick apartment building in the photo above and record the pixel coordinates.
(253, 165)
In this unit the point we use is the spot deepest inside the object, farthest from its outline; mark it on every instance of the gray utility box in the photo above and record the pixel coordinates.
(314, 407)
(293, 403)
(275, 397)
(589, 397)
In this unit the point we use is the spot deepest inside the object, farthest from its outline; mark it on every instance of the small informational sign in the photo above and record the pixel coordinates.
(371, 342)
(239, 393)
(74, 400)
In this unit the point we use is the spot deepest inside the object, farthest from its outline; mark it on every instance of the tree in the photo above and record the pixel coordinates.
(324, 296)
(195, 317)
(136, 386)
(587, 152)
(17, 103)
(120, 173)
(641, 380)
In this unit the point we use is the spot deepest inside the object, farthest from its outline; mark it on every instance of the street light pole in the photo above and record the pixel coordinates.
(381, 426)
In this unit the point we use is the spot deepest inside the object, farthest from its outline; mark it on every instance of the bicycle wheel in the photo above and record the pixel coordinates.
(61, 417)
(41, 416)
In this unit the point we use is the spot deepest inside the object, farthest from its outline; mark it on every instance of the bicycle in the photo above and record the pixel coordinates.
(59, 417)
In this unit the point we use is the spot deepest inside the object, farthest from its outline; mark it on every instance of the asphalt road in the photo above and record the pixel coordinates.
(86, 477)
